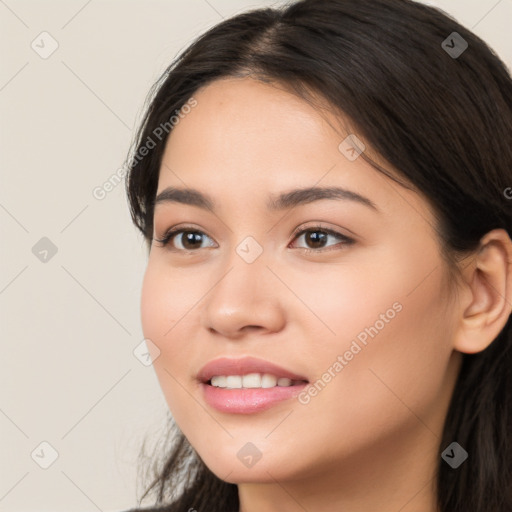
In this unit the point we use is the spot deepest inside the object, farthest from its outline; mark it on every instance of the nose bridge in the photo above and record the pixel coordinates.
(244, 294)
(245, 270)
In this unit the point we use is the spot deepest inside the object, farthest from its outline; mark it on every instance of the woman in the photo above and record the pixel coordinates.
(325, 191)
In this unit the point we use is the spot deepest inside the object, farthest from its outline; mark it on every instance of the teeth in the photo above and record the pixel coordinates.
(233, 381)
(268, 381)
(251, 380)
(219, 381)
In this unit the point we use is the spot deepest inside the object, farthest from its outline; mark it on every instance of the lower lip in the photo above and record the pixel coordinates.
(248, 400)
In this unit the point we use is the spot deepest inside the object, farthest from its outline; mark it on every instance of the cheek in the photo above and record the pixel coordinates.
(156, 307)
(162, 307)
(166, 309)
(337, 302)
(167, 299)
(392, 325)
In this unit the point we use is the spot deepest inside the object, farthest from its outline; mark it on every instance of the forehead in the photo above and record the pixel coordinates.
(237, 116)
(257, 139)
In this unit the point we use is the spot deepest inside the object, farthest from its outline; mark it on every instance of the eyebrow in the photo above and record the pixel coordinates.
(286, 200)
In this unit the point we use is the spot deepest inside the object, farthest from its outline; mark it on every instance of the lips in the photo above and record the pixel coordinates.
(243, 366)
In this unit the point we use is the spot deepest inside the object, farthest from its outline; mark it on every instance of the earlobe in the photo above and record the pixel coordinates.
(488, 294)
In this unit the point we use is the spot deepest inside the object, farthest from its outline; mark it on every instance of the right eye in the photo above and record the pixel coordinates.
(190, 242)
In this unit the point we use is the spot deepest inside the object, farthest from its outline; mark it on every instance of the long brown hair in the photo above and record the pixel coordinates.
(443, 120)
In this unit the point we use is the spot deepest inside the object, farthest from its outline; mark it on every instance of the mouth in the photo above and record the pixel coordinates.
(247, 372)
(248, 385)
(253, 381)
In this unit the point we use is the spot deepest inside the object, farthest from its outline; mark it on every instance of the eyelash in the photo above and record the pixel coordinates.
(169, 235)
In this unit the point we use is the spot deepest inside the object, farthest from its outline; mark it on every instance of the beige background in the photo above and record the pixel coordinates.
(68, 374)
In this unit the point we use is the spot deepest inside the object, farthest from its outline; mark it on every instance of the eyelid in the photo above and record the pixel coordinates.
(173, 231)
(318, 226)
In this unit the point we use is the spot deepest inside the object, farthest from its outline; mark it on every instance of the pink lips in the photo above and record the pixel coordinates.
(246, 400)
(243, 366)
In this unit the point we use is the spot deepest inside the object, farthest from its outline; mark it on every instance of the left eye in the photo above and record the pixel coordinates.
(193, 239)
(318, 236)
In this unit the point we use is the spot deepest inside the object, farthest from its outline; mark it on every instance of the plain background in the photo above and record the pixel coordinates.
(70, 324)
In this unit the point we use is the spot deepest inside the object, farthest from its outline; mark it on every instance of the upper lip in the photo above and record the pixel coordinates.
(243, 366)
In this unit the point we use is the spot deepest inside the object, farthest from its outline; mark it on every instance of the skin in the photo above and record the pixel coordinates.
(369, 439)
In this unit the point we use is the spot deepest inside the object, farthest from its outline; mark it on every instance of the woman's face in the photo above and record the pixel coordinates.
(366, 321)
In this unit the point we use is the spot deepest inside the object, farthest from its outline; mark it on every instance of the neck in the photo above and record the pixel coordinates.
(402, 477)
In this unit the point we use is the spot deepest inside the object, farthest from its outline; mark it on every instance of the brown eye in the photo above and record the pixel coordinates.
(191, 239)
(316, 238)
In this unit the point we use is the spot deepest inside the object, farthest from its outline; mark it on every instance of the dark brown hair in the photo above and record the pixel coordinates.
(444, 121)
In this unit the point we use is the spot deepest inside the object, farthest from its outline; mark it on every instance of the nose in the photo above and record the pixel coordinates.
(245, 298)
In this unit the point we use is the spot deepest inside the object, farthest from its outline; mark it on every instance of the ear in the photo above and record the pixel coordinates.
(486, 299)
